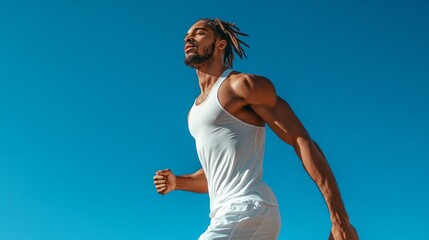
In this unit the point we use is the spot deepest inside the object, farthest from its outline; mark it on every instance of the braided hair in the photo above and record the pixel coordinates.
(229, 32)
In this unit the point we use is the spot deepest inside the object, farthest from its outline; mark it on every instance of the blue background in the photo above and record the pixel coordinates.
(94, 97)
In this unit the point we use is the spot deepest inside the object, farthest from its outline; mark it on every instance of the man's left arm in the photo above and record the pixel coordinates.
(277, 113)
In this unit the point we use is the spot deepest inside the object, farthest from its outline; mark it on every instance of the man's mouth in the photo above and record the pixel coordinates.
(189, 47)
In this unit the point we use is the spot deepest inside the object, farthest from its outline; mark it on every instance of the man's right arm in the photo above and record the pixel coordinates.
(165, 181)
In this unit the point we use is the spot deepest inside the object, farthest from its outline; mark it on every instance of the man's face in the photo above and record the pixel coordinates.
(199, 44)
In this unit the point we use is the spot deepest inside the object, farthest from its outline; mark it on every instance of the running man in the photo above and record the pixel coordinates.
(228, 122)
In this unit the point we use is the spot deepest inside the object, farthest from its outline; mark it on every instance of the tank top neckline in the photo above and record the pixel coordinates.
(224, 75)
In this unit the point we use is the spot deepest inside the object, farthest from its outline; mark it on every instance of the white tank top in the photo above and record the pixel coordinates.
(230, 151)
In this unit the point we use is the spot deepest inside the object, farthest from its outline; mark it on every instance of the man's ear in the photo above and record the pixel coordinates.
(222, 44)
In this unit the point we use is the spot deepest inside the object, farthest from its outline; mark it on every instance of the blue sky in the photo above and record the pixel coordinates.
(94, 97)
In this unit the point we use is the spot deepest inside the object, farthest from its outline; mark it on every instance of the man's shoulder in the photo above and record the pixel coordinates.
(245, 76)
(241, 79)
(250, 86)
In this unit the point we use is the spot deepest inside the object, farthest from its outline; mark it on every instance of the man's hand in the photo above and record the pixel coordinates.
(165, 181)
(343, 233)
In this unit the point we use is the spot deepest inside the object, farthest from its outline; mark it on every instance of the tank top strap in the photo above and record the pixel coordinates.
(220, 80)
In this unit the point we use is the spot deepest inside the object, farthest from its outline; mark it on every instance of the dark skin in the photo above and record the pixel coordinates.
(253, 99)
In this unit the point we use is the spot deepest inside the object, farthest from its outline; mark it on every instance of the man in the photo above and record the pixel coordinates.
(228, 121)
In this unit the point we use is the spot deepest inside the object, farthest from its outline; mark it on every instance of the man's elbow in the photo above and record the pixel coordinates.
(301, 144)
(303, 140)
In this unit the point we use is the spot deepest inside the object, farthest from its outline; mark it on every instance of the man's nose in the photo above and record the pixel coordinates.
(189, 39)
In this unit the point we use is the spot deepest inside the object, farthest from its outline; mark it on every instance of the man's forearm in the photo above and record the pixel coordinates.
(318, 168)
(195, 182)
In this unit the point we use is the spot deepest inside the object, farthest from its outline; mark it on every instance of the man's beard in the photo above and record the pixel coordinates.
(195, 59)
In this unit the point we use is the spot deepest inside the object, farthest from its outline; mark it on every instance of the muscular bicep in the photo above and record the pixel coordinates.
(282, 120)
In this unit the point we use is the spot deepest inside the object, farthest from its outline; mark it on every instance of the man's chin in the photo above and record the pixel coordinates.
(195, 60)
(190, 63)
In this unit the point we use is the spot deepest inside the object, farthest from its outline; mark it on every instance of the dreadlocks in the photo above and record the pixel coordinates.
(229, 32)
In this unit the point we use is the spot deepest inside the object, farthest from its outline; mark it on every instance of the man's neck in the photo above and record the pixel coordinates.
(207, 76)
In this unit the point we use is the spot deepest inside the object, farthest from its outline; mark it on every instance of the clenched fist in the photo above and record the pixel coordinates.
(165, 181)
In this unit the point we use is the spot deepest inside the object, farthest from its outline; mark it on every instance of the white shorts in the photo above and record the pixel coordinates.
(244, 220)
